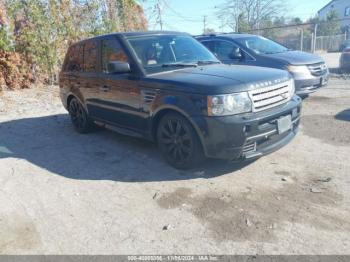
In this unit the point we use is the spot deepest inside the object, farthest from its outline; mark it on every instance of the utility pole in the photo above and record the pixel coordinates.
(158, 8)
(315, 38)
(258, 16)
(204, 24)
(221, 24)
(301, 39)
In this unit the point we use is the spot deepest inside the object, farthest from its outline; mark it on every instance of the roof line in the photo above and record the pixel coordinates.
(131, 34)
(326, 6)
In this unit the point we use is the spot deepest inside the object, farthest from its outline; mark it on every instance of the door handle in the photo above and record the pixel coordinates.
(105, 88)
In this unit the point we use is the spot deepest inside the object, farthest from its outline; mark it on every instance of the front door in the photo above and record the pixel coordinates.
(119, 99)
(229, 52)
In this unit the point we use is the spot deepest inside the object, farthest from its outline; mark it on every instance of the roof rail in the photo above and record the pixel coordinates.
(218, 33)
(211, 34)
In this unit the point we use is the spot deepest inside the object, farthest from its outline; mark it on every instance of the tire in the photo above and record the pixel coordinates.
(178, 142)
(79, 117)
(344, 70)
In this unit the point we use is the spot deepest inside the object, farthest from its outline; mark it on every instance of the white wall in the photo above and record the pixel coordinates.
(339, 6)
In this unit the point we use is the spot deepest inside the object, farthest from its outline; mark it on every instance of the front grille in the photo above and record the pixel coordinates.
(318, 69)
(271, 96)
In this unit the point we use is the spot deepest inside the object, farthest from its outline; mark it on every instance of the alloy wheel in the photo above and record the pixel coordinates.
(175, 138)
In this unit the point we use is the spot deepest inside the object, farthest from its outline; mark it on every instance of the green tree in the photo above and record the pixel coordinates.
(5, 37)
(296, 21)
(251, 13)
(42, 30)
(330, 26)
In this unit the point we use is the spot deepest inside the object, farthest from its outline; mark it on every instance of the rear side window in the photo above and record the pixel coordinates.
(209, 45)
(90, 56)
(75, 59)
(112, 52)
(347, 11)
(224, 49)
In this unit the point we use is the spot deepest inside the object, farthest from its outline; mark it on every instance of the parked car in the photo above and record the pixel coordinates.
(344, 62)
(168, 88)
(309, 71)
(345, 44)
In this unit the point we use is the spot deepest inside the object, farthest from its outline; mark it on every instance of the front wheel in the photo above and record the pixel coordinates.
(178, 142)
(79, 116)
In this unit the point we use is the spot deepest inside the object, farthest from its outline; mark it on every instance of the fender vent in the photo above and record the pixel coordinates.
(148, 95)
(249, 148)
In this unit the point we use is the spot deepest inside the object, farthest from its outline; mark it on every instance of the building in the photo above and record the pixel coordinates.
(342, 7)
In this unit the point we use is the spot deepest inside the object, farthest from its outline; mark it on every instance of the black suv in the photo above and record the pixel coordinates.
(309, 71)
(168, 88)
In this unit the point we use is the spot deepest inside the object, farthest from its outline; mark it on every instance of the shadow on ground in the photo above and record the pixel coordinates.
(343, 115)
(51, 143)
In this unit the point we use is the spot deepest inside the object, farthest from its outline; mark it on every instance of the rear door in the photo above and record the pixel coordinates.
(90, 80)
(70, 77)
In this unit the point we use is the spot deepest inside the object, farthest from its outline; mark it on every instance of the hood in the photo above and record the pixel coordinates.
(296, 58)
(215, 79)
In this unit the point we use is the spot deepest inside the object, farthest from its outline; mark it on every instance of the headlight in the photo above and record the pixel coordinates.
(292, 88)
(302, 70)
(232, 104)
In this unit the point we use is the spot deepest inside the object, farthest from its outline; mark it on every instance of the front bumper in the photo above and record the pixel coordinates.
(64, 99)
(247, 136)
(310, 85)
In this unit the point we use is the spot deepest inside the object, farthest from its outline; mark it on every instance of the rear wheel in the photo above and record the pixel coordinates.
(178, 142)
(79, 116)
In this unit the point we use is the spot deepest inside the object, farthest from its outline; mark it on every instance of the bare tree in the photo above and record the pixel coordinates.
(242, 15)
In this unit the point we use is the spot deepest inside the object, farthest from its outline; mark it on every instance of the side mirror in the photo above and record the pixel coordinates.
(118, 67)
(236, 54)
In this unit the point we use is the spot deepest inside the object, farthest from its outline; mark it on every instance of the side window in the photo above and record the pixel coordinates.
(90, 56)
(224, 49)
(112, 52)
(347, 11)
(208, 44)
(74, 62)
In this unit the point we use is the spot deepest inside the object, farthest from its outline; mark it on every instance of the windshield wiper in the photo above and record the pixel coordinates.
(179, 65)
(207, 62)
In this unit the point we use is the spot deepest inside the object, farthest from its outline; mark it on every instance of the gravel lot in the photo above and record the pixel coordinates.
(104, 193)
(331, 59)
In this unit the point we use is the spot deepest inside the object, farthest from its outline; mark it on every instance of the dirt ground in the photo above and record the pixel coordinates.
(104, 193)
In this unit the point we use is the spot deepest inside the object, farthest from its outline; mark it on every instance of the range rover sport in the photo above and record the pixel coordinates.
(168, 88)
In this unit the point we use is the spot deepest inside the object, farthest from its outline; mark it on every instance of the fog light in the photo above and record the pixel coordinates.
(295, 112)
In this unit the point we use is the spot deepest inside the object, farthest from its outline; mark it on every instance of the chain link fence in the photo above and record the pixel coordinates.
(303, 38)
(330, 43)
(323, 43)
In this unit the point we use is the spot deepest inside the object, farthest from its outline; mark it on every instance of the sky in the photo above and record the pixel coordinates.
(188, 15)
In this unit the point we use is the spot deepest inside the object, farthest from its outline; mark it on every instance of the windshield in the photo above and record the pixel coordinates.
(262, 45)
(166, 52)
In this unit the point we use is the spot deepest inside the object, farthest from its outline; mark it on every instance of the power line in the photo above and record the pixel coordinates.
(300, 24)
(178, 14)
